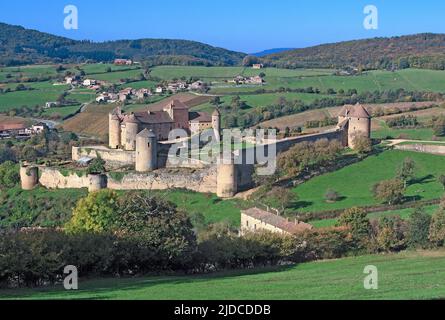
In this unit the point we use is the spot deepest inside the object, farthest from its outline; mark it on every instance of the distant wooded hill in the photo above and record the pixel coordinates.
(419, 51)
(23, 46)
(270, 51)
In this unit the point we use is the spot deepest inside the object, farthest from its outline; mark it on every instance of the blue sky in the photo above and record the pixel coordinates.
(242, 25)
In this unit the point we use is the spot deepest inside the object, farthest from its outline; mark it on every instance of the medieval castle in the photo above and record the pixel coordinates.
(141, 141)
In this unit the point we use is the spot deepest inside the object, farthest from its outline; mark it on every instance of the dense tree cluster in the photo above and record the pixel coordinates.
(306, 155)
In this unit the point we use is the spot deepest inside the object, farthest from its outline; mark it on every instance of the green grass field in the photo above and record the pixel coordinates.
(409, 79)
(409, 275)
(403, 213)
(44, 92)
(95, 68)
(261, 100)
(354, 182)
(212, 208)
(384, 132)
(115, 77)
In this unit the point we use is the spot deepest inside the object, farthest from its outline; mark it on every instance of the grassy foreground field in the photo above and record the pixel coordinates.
(409, 275)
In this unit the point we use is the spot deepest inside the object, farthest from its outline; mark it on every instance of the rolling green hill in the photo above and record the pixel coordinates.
(419, 51)
(31, 46)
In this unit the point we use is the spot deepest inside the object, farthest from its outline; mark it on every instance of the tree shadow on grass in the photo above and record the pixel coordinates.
(426, 179)
(106, 288)
(301, 204)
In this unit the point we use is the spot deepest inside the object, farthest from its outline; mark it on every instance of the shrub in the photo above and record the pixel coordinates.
(391, 234)
(97, 166)
(362, 145)
(389, 191)
(418, 230)
(437, 227)
(9, 175)
(97, 212)
(332, 196)
(357, 221)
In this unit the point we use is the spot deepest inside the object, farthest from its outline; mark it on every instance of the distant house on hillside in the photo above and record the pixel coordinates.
(255, 80)
(36, 129)
(89, 82)
(258, 66)
(254, 219)
(72, 80)
(159, 90)
(143, 93)
(177, 86)
(52, 104)
(8, 130)
(197, 85)
(107, 97)
(123, 62)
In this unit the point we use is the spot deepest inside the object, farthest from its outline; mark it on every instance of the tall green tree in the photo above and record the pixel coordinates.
(407, 171)
(418, 228)
(98, 212)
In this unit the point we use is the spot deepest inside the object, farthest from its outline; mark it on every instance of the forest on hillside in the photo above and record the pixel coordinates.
(426, 51)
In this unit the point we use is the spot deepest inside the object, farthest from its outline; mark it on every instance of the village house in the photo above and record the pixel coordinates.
(248, 80)
(197, 85)
(9, 130)
(89, 82)
(255, 80)
(254, 220)
(143, 93)
(107, 97)
(177, 86)
(123, 62)
(73, 80)
(125, 94)
(159, 90)
(52, 104)
(36, 129)
(258, 66)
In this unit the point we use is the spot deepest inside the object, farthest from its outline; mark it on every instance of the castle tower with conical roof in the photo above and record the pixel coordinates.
(359, 122)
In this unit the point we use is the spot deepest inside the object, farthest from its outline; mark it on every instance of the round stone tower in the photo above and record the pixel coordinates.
(146, 151)
(216, 125)
(131, 131)
(359, 124)
(29, 177)
(227, 185)
(114, 131)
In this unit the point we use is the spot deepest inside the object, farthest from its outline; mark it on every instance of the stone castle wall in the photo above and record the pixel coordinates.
(203, 181)
(110, 155)
(200, 180)
(52, 178)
